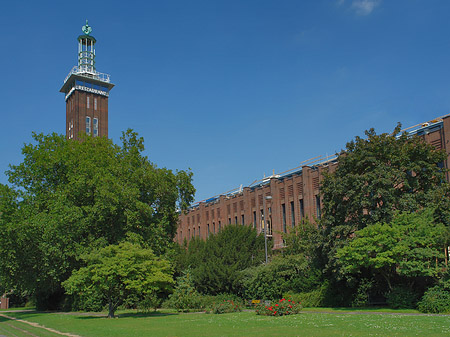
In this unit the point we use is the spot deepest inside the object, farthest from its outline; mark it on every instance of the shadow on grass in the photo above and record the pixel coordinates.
(129, 315)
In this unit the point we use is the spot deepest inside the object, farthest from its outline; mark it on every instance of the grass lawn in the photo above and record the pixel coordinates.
(13, 328)
(240, 324)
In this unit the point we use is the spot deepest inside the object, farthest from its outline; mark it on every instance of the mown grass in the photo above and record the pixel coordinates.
(13, 328)
(242, 324)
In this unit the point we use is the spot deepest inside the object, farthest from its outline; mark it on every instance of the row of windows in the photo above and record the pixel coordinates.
(269, 218)
(88, 101)
(95, 126)
(91, 85)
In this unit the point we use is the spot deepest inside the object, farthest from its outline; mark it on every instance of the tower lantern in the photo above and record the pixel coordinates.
(86, 50)
(86, 92)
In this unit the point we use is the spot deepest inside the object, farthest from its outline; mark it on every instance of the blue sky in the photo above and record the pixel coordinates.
(231, 89)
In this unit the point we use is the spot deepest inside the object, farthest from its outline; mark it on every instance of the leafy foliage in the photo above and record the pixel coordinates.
(184, 297)
(225, 306)
(437, 299)
(118, 271)
(281, 308)
(282, 274)
(402, 298)
(409, 246)
(377, 177)
(69, 197)
(216, 263)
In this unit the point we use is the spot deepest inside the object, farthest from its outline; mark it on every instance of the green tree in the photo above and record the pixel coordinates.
(290, 273)
(407, 248)
(375, 178)
(68, 197)
(117, 272)
(216, 263)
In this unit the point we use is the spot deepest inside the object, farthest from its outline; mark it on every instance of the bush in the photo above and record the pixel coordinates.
(185, 297)
(225, 306)
(361, 298)
(401, 298)
(284, 273)
(280, 308)
(436, 299)
(311, 299)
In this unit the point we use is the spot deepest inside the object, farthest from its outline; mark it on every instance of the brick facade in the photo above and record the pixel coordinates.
(77, 110)
(295, 195)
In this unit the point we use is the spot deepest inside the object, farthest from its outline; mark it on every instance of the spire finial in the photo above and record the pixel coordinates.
(86, 28)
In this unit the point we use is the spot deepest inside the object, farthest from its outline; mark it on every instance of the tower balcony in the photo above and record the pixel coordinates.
(89, 72)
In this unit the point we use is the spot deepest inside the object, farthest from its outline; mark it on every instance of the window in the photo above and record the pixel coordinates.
(262, 220)
(242, 220)
(88, 125)
(70, 133)
(318, 206)
(302, 209)
(87, 102)
(199, 231)
(254, 219)
(208, 229)
(189, 233)
(229, 221)
(292, 214)
(235, 220)
(95, 103)
(283, 207)
(220, 226)
(214, 228)
(95, 127)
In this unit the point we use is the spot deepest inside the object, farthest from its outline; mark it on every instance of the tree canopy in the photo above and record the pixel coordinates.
(117, 272)
(68, 197)
(216, 263)
(377, 177)
(408, 247)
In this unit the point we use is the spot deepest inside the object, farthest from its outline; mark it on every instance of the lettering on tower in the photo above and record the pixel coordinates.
(86, 92)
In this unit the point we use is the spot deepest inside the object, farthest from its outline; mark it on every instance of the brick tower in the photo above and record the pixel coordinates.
(86, 92)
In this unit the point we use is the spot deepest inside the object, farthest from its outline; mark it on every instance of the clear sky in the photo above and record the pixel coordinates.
(232, 89)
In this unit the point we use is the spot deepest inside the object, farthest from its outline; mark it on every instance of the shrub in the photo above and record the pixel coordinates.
(280, 308)
(185, 297)
(437, 298)
(361, 298)
(225, 306)
(311, 299)
(284, 273)
(401, 298)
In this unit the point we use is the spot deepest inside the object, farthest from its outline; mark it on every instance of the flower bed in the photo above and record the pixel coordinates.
(280, 308)
(225, 307)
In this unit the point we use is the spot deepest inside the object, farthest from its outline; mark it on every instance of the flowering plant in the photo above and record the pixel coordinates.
(225, 307)
(280, 308)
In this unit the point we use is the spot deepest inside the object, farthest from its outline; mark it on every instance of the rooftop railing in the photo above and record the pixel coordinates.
(88, 72)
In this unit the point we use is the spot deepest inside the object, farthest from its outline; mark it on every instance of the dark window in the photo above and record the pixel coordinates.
(254, 219)
(283, 207)
(242, 220)
(318, 206)
(219, 226)
(292, 214)
(302, 209)
(235, 220)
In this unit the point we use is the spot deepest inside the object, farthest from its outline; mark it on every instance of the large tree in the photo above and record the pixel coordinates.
(378, 176)
(216, 263)
(70, 196)
(118, 272)
(404, 250)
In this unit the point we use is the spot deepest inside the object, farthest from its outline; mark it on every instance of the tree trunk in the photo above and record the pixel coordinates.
(111, 309)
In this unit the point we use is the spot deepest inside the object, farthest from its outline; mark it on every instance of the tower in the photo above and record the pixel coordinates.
(86, 92)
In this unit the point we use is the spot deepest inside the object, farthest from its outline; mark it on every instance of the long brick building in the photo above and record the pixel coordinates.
(288, 197)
